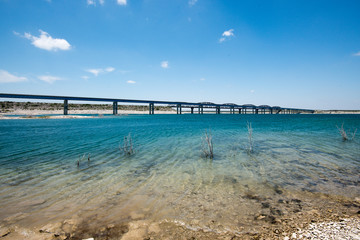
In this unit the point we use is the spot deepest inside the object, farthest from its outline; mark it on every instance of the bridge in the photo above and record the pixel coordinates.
(232, 108)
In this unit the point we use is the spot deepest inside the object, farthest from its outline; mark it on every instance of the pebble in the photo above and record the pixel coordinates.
(347, 229)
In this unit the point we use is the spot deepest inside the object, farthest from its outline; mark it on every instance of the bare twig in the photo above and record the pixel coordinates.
(342, 132)
(344, 135)
(127, 147)
(207, 145)
(353, 135)
(250, 136)
(80, 159)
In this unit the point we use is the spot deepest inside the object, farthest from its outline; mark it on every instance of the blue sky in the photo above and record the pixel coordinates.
(303, 54)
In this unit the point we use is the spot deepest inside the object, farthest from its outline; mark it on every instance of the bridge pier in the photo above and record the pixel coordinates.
(115, 108)
(151, 108)
(218, 110)
(66, 107)
(256, 111)
(192, 110)
(178, 109)
(201, 109)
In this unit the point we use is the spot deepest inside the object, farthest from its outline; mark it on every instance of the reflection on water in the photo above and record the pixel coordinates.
(295, 157)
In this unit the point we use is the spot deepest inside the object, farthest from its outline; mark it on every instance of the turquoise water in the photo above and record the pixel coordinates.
(168, 179)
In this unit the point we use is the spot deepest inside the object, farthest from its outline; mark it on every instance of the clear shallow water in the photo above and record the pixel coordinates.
(168, 179)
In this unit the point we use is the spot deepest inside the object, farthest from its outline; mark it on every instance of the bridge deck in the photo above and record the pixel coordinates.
(178, 105)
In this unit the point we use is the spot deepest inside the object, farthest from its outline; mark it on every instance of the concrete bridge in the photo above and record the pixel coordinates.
(232, 108)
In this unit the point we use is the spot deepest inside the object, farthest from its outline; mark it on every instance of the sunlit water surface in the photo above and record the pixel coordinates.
(168, 178)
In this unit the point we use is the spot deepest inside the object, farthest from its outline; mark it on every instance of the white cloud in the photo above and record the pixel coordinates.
(97, 71)
(164, 64)
(6, 77)
(48, 78)
(226, 35)
(192, 2)
(357, 54)
(202, 79)
(85, 77)
(122, 2)
(110, 69)
(252, 91)
(94, 71)
(46, 42)
(102, 2)
(131, 82)
(90, 2)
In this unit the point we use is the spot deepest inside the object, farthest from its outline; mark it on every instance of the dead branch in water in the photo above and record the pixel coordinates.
(80, 160)
(207, 145)
(250, 137)
(127, 147)
(344, 134)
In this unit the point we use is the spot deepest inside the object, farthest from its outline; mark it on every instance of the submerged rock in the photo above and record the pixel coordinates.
(4, 231)
(278, 190)
(265, 205)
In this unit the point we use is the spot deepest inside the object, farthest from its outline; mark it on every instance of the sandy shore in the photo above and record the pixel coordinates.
(337, 112)
(57, 114)
(344, 229)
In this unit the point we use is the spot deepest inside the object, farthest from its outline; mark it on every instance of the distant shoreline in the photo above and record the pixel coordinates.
(58, 114)
(337, 112)
(36, 110)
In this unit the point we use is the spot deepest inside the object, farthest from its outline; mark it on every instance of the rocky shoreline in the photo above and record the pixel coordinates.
(335, 219)
(344, 228)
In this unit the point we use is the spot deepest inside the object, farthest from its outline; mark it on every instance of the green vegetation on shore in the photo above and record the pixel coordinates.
(11, 106)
